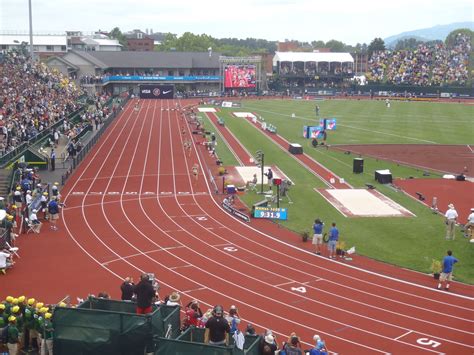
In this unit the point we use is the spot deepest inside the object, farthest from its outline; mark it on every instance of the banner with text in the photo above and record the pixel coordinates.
(156, 91)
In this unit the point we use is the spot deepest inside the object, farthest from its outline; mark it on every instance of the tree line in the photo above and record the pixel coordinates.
(190, 42)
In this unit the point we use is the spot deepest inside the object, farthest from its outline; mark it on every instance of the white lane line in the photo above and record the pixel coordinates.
(403, 335)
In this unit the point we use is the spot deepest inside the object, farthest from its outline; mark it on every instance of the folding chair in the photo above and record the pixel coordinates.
(13, 250)
(33, 227)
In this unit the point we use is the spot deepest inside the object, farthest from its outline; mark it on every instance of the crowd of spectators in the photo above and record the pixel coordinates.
(313, 68)
(219, 325)
(430, 64)
(90, 79)
(32, 98)
(32, 203)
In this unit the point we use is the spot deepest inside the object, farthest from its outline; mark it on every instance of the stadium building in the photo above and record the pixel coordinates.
(201, 73)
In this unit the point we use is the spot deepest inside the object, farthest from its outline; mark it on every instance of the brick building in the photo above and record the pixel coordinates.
(138, 41)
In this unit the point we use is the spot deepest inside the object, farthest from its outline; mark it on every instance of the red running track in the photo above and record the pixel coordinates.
(134, 207)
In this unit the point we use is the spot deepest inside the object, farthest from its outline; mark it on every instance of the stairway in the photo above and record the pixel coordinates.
(5, 182)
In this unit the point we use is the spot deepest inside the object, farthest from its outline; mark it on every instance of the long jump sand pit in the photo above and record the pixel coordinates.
(363, 203)
(207, 109)
(246, 173)
(244, 115)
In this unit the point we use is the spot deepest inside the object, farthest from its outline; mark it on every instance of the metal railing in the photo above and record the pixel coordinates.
(13, 155)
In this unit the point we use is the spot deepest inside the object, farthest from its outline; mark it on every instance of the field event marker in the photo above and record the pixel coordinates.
(230, 249)
(201, 218)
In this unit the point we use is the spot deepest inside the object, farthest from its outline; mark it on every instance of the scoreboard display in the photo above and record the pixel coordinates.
(271, 213)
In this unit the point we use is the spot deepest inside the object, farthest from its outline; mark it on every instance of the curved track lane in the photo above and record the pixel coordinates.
(134, 207)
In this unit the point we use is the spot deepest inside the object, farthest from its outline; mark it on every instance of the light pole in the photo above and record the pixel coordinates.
(31, 31)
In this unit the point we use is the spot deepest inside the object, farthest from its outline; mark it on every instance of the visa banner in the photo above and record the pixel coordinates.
(154, 91)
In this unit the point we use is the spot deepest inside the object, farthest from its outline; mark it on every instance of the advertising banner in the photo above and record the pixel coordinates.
(156, 91)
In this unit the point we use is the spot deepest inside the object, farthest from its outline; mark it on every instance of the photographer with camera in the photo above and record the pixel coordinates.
(145, 294)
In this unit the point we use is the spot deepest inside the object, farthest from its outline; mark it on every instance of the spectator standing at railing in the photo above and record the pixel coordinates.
(52, 159)
(53, 209)
(17, 197)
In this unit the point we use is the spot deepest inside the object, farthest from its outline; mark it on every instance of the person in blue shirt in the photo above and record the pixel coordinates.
(318, 235)
(333, 238)
(447, 273)
(319, 348)
(53, 209)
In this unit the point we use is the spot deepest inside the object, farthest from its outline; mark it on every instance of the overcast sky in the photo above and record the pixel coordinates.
(350, 21)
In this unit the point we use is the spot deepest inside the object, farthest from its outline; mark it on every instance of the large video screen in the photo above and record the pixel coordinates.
(239, 76)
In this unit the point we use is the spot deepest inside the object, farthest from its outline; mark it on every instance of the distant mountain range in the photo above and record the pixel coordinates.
(428, 34)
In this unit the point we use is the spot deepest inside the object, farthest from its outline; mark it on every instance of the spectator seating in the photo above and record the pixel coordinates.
(430, 64)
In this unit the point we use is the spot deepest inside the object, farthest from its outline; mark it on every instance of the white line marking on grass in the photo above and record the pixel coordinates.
(353, 127)
(388, 134)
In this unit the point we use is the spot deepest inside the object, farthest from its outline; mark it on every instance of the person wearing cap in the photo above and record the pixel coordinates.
(451, 217)
(447, 272)
(319, 347)
(29, 317)
(17, 197)
(35, 221)
(55, 189)
(470, 226)
(47, 330)
(268, 345)
(293, 345)
(217, 328)
(145, 294)
(13, 334)
(5, 262)
(17, 312)
(8, 304)
(44, 205)
(3, 316)
(173, 299)
(39, 321)
(53, 209)
(8, 225)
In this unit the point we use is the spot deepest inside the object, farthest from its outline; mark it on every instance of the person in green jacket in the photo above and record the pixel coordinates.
(13, 336)
(47, 343)
(29, 323)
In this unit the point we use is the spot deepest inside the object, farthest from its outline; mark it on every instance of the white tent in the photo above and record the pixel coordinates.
(312, 57)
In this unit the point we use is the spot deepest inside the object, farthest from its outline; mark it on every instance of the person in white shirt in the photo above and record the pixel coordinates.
(173, 300)
(451, 217)
(28, 197)
(35, 221)
(4, 257)
(468, 228)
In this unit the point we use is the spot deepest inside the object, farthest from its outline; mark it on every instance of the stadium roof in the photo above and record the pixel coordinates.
(101, 41)
(126, 59)
(312, 57)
